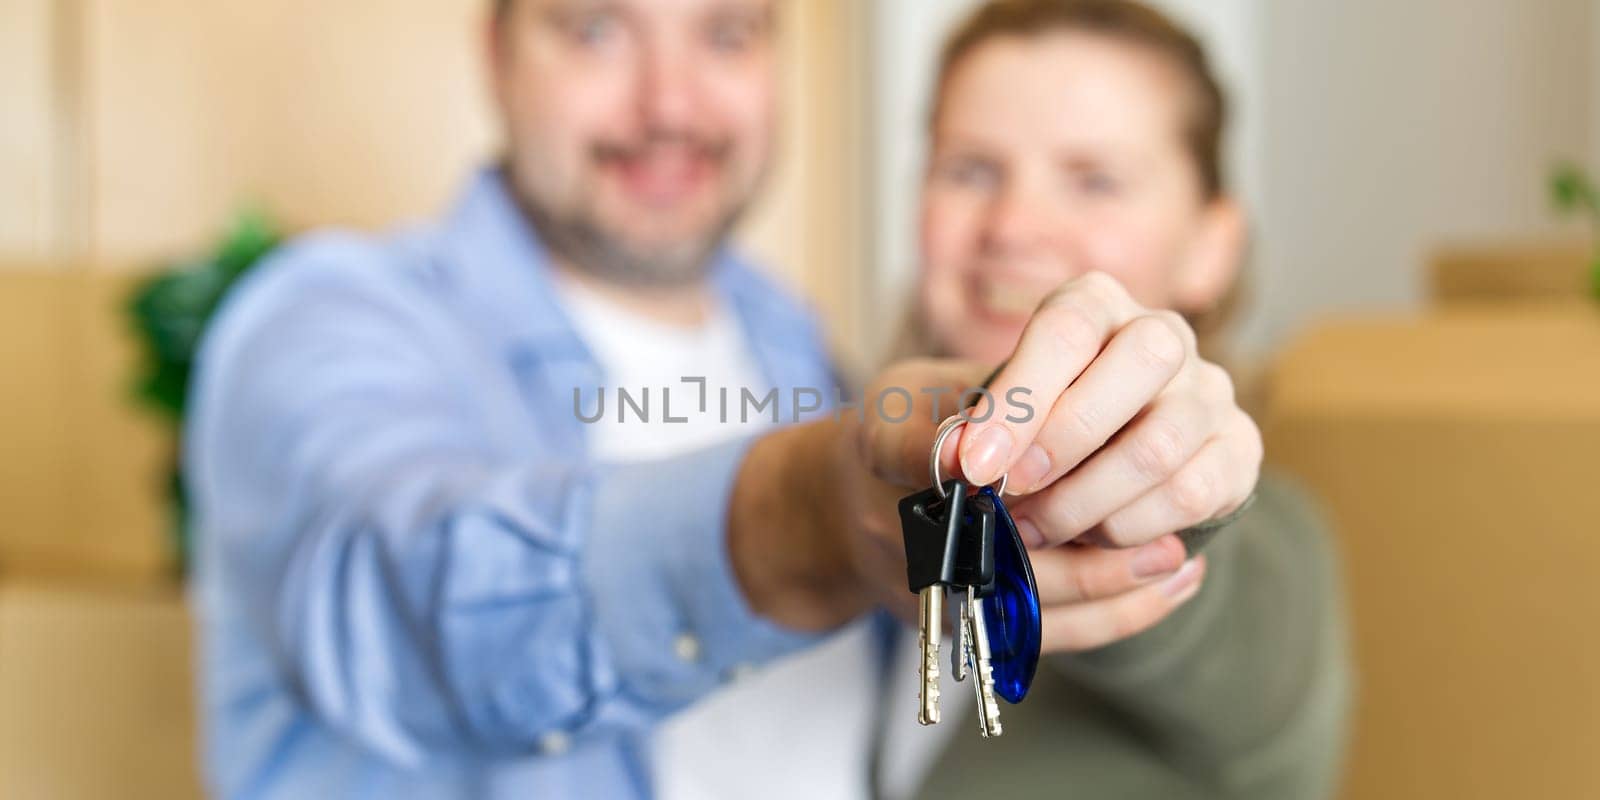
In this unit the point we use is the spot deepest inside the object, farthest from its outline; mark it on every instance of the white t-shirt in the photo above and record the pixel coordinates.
(800, 727)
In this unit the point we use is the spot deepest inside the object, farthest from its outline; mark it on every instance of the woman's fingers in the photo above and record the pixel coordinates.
(1061, 339)
(1133, 369)
(1083, 574)
(1085, 626)
(1215, 482)
(1143, 455)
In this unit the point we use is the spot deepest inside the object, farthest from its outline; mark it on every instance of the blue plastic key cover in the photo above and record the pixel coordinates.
(1012, 612)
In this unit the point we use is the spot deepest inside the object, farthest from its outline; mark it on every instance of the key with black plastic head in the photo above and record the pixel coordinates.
(974, 655)
(949, 542)
(930, 524)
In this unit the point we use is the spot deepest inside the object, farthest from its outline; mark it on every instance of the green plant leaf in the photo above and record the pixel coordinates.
(252, 236)
(169, 311)
(1571, 189)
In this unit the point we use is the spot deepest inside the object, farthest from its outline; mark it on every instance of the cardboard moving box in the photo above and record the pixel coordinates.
(84, 479)
(1509, 271)
(96, 694)
(1458, 456)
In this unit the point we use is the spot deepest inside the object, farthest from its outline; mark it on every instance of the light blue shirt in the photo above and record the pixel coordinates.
(411, 581)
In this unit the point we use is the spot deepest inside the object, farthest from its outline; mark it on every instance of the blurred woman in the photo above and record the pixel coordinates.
(1071, 137)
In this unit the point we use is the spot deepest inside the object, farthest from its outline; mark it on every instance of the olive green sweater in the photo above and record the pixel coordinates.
(1241, 693)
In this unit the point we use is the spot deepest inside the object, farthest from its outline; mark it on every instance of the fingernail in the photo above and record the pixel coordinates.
(1029, 470)
(1031, 536)
(1183, 582)
(1156, 558)
(987, 456)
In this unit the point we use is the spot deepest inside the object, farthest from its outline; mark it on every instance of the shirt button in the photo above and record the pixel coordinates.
(739, 672)
(687, 648)
(555, 743)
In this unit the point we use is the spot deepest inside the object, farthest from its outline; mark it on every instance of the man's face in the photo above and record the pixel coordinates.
(637, 130)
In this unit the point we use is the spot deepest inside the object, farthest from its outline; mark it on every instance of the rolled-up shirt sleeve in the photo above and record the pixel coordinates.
(664, 593)
(422, 583)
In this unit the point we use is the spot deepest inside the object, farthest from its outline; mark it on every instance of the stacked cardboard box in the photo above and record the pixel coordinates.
(95, 689)
(1506, 272)
(96, 693)
(1457, 453)
(84, 479)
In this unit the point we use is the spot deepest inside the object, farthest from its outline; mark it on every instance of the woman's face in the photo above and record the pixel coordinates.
(1053, 156)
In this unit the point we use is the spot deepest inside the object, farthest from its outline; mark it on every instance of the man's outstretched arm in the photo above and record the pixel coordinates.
(427, 584)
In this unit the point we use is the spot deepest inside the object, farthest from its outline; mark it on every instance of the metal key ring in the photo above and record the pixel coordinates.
(950, 424)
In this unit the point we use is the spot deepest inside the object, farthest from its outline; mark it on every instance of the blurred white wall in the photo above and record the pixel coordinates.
(30, 163)
(904, 38)
(1594, 85)
(1364, 133)
(1393, 127)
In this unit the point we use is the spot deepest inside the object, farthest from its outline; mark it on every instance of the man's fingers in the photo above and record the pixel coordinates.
(1060, 341)
(1081, 574)
(1085, 626)
(902, 410)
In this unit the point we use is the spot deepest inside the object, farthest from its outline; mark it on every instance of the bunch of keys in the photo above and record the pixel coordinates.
(967, 546)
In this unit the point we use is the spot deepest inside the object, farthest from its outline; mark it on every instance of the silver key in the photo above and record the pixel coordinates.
(975, 639)
(930, 629)
(961, 656)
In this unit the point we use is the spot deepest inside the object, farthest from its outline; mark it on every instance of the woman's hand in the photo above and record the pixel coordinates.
(1133, 435)
(1090, 596)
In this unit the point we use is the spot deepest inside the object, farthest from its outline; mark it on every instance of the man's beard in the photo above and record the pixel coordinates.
(583, 243)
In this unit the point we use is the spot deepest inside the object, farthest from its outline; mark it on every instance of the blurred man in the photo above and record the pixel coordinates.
(437, 558)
